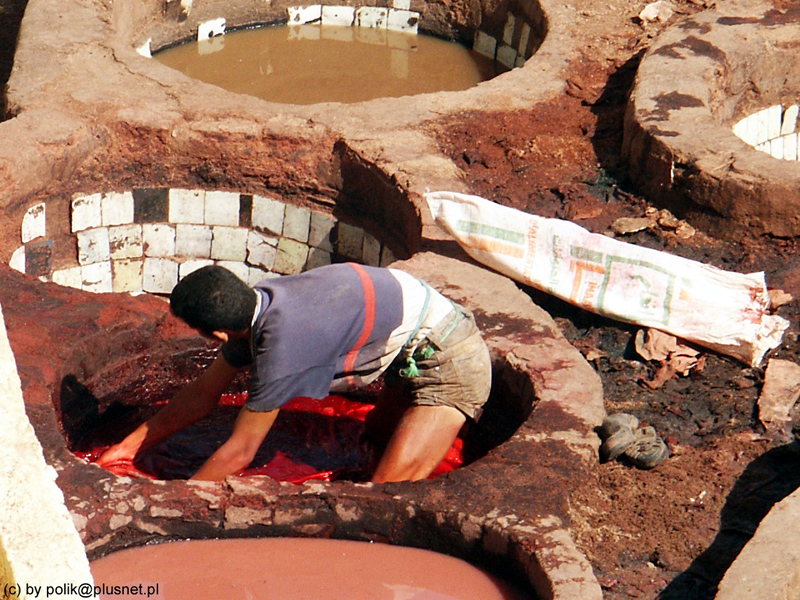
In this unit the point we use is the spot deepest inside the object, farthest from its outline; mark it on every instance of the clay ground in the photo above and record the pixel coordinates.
(671, 531)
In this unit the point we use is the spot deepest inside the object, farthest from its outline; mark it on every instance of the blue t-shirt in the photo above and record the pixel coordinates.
(329, 329)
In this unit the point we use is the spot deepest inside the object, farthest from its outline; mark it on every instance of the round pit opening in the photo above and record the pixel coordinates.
(320, 440)
(111, 395)
(713, 110)
(360, 45)
(294, 569)
(313, 63)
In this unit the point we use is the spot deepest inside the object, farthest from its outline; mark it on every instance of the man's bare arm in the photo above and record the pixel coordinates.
(238, 451)
(192, 403)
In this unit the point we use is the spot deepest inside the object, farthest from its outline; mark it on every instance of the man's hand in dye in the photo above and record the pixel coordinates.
(117, 456)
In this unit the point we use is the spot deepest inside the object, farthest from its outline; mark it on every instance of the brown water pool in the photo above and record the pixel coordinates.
(309, 64)
(292, 569)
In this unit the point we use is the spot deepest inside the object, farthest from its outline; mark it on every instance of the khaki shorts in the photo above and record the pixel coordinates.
(458, 374)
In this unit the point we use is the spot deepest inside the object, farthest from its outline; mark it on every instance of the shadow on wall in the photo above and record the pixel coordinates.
(11, 12)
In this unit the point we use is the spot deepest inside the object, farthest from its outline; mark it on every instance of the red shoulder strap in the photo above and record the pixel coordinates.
(369, 323)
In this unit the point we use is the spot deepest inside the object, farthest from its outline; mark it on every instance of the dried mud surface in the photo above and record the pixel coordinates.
(670, 532)
(673, 531)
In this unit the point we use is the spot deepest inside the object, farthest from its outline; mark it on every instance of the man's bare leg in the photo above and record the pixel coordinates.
(420, 442)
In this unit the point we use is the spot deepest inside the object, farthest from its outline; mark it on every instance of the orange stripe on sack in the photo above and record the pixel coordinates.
(578, 267)
(494, 246)
(369, 323)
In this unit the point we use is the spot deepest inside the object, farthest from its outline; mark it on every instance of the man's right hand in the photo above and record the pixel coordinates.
(117, 455)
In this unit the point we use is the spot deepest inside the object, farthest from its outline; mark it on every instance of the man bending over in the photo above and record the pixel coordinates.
(331, 329)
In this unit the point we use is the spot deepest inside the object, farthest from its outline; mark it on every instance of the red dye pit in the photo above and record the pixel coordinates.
(311, 439)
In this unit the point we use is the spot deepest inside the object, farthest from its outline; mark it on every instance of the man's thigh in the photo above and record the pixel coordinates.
(419, 443)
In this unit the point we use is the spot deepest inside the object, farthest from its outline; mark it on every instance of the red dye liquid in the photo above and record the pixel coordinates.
(311, 439)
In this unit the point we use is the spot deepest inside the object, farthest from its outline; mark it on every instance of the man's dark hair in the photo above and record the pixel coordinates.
(212, 299)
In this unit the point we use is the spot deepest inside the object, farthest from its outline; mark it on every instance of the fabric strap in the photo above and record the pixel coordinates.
(369, 324)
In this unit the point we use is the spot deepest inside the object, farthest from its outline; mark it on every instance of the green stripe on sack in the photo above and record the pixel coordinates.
(586, 254)
(493, 232)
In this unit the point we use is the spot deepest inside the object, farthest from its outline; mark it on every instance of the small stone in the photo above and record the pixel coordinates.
(780, 392)
(667, 220)
(685, 231)
(656, 11)
(627, 225)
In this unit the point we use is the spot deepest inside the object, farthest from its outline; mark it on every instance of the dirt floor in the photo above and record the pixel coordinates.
(670, 532)
(673, 531)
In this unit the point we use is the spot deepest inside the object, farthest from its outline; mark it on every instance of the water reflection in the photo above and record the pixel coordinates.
(308, 64)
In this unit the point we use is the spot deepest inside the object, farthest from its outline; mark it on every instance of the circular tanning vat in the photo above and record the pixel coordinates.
(506, 511)
(711, 125)
(95, 125)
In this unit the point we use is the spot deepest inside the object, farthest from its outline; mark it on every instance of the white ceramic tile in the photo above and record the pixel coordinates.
(268, 214)
(740, 130)
(70, 277)
(125, 241)
(321, 231)
(350, 241)
(222, 208)
(485, 44)
(371, 252)
(774, 117)
(776, 148)
(117, 208)
(144, 49)
(158, 239)
(508, 30)
(401, 4)
(17, 260)
(762, 126)
(520, 62)
(210, 29)
(97, 278)
(291, 257)
(789, 124)
(34, 223)
(387, 257)
(296, 223)
(506, 56)
(403, 20)
(317, 258)
(127, 275)
(241, 270)
(190, 266)
(187, 206)
(372, 16)
(86, 212)
(93, 246)
(338, 15)
(525, 35)
(257, 275)
(752, 130)
(229, 243)
(261, 250)
(159, 275)
(193, 241)
(300, 15)
(790, 147)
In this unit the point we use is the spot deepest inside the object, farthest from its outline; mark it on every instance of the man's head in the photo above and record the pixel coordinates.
(213, 299)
